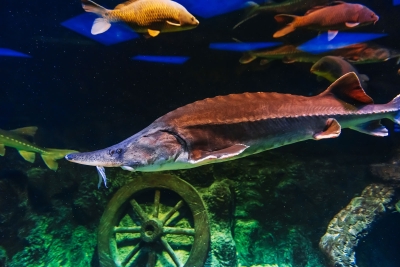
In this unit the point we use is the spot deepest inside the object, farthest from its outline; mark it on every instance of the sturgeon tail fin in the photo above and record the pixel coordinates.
(396, 104)
(51, 155)
(251, 12)
(101, 24)
(288, 19)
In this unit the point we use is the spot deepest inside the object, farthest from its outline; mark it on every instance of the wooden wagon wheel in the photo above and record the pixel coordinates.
(134, 233)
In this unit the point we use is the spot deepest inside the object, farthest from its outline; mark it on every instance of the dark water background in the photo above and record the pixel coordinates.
(83, 95)
(87, 95)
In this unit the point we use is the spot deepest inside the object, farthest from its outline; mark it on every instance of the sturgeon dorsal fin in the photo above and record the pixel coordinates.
(334, 3)
(348, 89)
(26, 131)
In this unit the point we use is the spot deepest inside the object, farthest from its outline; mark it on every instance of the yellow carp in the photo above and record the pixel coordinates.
(145, 16)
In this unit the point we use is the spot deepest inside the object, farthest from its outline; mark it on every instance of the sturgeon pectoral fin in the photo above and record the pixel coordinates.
(100, 25)
(102, 176)
(332, 35)
(352, 24)
(28, 156)
(332, 130)
(153, 33)
(27, 131)
(218, 154)
(374, 128)
(2, 150)
(127, 168)
(173, 24)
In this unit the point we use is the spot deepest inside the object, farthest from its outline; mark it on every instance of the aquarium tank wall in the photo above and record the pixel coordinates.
(200, 133)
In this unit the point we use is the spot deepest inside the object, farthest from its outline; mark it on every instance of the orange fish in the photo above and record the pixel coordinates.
(337, 16)
(145, 16)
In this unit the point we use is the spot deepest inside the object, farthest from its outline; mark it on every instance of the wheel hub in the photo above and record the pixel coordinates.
(151, 230)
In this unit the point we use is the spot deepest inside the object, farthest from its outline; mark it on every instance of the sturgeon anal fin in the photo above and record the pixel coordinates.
(100, 25)
(352, 24)
(174, 24)
(219, 154)
(332, 130)
(28, 156)
(27, 131)
(332, 35)
(50, 162)
(247, 58)
(348, 88)
(2, 150)
(374, 128)
(153, 33)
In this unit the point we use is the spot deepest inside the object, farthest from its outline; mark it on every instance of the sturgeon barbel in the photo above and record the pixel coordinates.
(238, 125)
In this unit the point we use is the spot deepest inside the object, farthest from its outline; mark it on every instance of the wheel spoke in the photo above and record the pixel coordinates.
(138, 210)
(151, 262)
(172, 211)
(178, 231)
(134, 251)
(156, 204)
(132, 230)
(171, 252)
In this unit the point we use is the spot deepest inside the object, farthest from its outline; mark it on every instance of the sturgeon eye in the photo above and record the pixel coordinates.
(111, 152)
(119, 150)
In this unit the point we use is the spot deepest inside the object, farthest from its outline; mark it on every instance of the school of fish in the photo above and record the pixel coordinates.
(234, 126)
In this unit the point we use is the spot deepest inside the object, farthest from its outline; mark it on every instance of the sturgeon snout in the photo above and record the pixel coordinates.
(151, 150)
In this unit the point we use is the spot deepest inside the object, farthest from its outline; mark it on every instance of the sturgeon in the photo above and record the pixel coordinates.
(17, 139)
(238, 125)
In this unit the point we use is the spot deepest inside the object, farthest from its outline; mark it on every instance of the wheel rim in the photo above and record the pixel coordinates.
(153, 229)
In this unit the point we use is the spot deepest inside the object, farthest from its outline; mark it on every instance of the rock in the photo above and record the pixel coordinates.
(3, 257)
(353, 222)
(220, 206)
